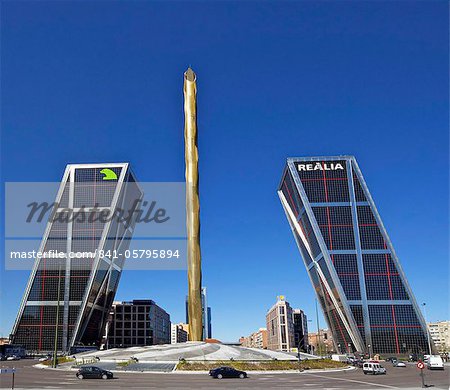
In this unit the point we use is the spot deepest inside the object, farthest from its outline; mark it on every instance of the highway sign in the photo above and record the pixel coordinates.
(7, 370)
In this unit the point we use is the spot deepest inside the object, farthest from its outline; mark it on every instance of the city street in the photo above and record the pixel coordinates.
(405, 378)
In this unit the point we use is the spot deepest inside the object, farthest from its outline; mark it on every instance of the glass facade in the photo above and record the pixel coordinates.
(73, 295)
(362, 290)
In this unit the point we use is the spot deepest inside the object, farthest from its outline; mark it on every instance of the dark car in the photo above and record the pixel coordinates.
(92, 372)
(358, 363)
(227, 372)
(391, 359)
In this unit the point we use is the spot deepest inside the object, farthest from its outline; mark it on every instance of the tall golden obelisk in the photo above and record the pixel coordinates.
(192, 207)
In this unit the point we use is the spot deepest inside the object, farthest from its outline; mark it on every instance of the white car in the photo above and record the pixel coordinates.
(398, 363)
(13, 357)
(435, 363)
(373, 368)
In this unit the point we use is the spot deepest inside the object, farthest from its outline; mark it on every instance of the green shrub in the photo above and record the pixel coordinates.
(59, 360)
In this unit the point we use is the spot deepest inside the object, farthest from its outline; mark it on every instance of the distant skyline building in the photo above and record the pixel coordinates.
(257, 339)
(300, 329)
(206, 315)
(322, 343)
(362, 289)
(280, 326)
(178, 334)
(138, 323)
(71, 298)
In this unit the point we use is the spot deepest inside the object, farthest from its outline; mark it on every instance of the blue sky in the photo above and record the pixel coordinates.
(98, 81)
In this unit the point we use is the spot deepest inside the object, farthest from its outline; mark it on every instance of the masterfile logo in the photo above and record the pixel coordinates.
(320, 166)
(109, 174)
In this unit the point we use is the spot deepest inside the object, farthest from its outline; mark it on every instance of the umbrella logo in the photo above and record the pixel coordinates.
(109, 174)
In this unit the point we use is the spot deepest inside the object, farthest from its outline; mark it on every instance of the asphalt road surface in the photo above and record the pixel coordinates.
(405, 378)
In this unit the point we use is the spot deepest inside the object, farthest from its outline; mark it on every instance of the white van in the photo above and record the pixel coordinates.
(435, 363)
(373, 368)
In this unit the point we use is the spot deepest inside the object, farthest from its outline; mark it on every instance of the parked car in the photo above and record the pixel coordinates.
(358, 363)
(435, 362)
(227, 372)
(373, 368)
(413, 357)
(390, 359)
(13, 357)
(398, 363)
(46, 358)
(92, 372)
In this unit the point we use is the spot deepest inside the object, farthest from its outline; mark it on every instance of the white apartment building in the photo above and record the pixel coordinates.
(440, 333)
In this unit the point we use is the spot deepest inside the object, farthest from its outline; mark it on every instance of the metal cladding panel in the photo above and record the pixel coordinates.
(362, 290)
(86, 285)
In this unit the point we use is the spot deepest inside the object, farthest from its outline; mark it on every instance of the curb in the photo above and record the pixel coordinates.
(181, 372)
(268, 372)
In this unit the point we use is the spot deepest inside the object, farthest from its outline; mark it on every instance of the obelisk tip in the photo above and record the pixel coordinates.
(189, 74)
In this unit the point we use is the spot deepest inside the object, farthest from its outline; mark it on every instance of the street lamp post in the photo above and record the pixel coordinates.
(308, 346)
(298, 354)
(339, 349)
(426, 327)
(318, 331)
(370, 351)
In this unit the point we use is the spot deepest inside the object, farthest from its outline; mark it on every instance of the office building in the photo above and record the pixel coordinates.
(300, 330)
(280, 326)
(70, 298)
(138, 323)
(206, 315)
(178, 334)
(4, 340)
(440, 334)
(362, 289)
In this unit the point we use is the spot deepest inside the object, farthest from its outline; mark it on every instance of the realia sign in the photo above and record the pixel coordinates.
(320, 166)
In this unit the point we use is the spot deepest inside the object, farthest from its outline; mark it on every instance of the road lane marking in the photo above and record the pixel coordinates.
(353, 380)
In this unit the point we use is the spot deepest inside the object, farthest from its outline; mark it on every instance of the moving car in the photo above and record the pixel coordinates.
(391, 359)
(398, 363)
(227, 372)
(373, 368)
(435, 362)
(92, 372)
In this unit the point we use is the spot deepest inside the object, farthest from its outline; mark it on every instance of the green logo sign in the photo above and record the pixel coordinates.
(109, 174)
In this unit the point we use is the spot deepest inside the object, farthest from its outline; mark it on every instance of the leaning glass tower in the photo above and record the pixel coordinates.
(68, 299)
(362, 289)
